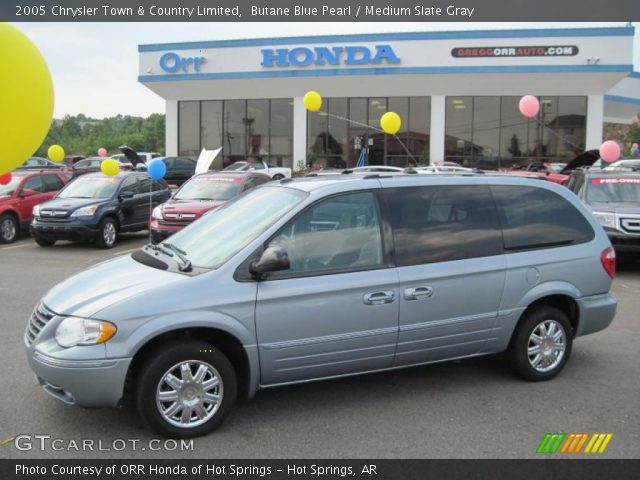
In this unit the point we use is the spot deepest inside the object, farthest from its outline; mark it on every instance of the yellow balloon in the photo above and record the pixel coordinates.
(55, 153)
(110, 167)
(312, 100)
(390, 123)
(26, 98)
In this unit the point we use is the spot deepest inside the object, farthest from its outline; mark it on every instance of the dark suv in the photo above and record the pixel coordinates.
(614, 199)
(97, 207)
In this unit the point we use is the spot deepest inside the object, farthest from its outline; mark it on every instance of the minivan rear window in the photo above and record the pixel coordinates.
(536, 218)
(443, 223)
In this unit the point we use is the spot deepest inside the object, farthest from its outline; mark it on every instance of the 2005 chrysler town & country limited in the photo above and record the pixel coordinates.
(324, 277)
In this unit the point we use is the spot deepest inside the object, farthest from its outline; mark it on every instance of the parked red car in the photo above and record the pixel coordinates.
(537, 169)
(585, 159)
(197, 196)
(26, 189)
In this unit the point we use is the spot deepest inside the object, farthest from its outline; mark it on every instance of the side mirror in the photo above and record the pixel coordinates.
(27, 192)
(125, 195)
(273, 259)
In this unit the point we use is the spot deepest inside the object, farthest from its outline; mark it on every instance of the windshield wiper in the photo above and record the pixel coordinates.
(182, 255)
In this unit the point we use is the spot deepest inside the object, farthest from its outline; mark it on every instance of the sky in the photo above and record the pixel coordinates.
(95, 65)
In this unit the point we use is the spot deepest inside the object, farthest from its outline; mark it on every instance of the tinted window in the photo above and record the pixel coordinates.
(144, 185)
(51, 183)
(342, 232)
(444, 223)
(129, 185)
(158, 186)
(534, 218)
(34, 183)
(184, 164)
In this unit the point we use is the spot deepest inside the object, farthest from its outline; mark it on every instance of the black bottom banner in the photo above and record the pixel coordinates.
(322, 469)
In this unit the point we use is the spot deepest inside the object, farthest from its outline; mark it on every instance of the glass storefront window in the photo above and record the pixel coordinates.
(490, 132)
(338, 142)
(243, 128)
(189, 129)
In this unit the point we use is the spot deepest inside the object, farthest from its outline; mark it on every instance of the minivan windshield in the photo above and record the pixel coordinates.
(220, 234)
(91, 187)
(614, 190)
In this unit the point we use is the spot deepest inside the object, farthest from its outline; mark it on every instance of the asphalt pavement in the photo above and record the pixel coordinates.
(469, 409)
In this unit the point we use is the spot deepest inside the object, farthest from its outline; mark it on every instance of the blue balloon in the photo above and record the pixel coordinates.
(157, 169)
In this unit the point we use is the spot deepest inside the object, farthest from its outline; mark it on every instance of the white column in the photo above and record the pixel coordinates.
(595, 120)
(299, 133)
(171, 128)
(436, 139)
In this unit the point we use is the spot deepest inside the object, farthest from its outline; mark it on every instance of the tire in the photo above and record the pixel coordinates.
(546, 322)
(277, 176)
(151, 379)
(9, 228)
(43, 242)
(108, 235)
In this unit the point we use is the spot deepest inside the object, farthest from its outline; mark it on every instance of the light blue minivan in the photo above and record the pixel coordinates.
(325, 277)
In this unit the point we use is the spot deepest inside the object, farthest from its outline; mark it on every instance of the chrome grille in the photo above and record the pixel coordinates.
(631, 225)
(178, 219)
(39, 318)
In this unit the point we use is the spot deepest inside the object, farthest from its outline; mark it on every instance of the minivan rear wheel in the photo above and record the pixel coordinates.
(186, 389)
(541, 345)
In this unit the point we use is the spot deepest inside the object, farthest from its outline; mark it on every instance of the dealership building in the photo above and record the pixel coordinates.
(456, 92)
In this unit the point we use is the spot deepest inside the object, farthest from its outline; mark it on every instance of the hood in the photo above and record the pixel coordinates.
(131, 155)
(198, 207)
(105, 284)
(585, 159)
(71, 204)
(628, 208)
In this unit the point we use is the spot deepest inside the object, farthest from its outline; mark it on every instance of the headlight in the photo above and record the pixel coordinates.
(605, 219)
(85, 211)
(157, 213)
(36, 211)
(83, 331)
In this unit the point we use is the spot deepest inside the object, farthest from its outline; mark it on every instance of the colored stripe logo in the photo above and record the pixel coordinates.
(574, 443)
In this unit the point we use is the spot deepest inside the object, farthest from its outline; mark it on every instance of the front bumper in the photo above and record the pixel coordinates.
(85, 383)
(72, 229)
(158, 235)
(596, 313)
(623, 242)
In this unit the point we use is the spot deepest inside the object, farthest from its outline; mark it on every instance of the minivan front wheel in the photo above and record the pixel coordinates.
(541, 344)
(186, 390)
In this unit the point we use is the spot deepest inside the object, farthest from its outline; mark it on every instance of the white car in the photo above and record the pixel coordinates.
(276, 173)
(443, 169)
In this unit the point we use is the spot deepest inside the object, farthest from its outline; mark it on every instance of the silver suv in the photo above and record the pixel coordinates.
(325, 277)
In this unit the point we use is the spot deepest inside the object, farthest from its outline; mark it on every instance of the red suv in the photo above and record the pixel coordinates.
(197, 196)
(17, 199)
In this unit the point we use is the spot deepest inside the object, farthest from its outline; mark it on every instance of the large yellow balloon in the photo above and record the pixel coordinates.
(55, 153)
(390, 123)
(110, 167)
(312, 101)
(26, 98)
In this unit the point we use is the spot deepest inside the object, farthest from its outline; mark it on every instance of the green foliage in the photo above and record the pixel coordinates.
(634, 133)
(84, 136)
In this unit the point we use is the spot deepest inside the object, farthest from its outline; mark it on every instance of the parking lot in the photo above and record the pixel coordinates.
(469, 409)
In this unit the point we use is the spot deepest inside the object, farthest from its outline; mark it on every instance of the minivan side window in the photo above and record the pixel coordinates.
(340, 233)
(443, 223)
(52, 183)
(535, 218)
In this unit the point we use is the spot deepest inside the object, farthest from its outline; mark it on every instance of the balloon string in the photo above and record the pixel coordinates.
(150, 211)
(373, 128)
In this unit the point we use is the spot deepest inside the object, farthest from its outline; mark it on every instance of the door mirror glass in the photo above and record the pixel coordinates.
(125, 195)
(273, 259)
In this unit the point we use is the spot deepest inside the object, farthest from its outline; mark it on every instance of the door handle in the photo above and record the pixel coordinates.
(418, 293)
(379, 298)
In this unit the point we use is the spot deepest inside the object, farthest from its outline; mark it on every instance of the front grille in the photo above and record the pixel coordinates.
(631, 225)
(51, 214)
(178, 219)
(39, 318)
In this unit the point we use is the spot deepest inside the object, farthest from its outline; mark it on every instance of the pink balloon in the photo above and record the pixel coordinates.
(102, 152)
(610, 151)
(529, 106)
